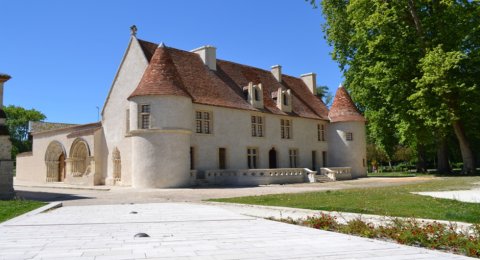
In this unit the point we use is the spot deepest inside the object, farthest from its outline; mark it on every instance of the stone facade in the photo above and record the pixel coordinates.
(172, 117)
(6, 164)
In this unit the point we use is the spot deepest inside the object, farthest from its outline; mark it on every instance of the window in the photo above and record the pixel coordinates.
(349, 136)
(286, 128)
(257, 96)
(257, 126)
(321, 132)
(293, 155)
(144, 116)
(203, 121)
(252, 157)
(192, 158)
(222, 160)
(285, 99)
(127, 121)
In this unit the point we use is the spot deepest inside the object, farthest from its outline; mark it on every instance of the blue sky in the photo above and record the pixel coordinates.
(63, 55)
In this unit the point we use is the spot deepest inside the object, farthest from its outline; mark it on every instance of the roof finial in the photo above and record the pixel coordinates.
(133, 30)
(162, 45)
(341, 85)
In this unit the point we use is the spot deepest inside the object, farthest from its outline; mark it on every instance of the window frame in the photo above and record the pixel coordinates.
(252, 157)
(349, 136)
(293, 157)
(255, 126)
(286, 130)
(321, 133)
(200, 123)
(142, 114)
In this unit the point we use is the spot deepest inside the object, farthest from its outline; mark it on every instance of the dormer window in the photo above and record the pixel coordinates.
(255, 95)
(284, 100)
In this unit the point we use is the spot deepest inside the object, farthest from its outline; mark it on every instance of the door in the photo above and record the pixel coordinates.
(222, 160)
(314, 160)
(61, 167)
(324, 159)
(272, 159)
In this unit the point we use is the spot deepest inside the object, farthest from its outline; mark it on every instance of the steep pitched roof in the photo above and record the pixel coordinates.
(343, 109)
(160, 77)
(224, 87)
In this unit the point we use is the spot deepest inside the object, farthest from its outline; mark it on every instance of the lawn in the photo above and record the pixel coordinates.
(12, 208)
(389, 201)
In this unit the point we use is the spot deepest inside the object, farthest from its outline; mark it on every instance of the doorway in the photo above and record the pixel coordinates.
(61, 167)
(272, 159)
(314, 160)
(222, 158)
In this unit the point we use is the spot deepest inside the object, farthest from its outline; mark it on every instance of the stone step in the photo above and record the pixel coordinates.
(322, 178)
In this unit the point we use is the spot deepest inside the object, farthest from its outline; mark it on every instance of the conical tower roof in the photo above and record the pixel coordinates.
(343, 109)
(160, 77)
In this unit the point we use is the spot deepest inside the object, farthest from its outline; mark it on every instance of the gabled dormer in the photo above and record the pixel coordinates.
(255, 95)
(284, 99)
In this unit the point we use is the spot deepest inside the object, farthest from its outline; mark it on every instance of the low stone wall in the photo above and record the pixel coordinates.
(254, 177)
(337, 173)
(6, 180)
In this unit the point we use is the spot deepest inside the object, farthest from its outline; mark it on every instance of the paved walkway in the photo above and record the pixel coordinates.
(472, 195)
(182, 231)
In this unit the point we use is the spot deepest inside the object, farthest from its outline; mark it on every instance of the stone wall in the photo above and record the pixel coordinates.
(6, 169)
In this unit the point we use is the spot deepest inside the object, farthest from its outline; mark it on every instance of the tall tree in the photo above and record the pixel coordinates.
(17, 122)
(411, 64)
(324, 92)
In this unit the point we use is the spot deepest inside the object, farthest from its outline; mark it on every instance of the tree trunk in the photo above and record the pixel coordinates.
(443, 166)
(467, 154)
(421, 163)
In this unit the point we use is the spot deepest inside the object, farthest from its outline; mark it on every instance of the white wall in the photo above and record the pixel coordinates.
(128, 76)
(33, 168)
(160, 154)
(345, 153)
(232, 130)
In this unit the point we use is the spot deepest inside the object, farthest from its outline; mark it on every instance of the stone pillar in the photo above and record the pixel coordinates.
(6, 162)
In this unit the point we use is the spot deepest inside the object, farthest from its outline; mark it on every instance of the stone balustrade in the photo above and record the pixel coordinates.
(337, 173)
(253, 177)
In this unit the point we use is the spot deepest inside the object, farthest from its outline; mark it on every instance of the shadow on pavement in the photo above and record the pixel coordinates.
(48, 196)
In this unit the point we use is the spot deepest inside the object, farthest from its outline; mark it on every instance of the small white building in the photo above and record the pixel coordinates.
(174, 117)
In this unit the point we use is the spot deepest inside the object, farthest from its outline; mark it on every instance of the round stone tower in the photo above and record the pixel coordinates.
(6, 162)
(346, 135)
(160, 125)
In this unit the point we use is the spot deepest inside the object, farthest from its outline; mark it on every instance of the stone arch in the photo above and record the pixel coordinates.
(55, 161)
(79, 157)
(117, 165)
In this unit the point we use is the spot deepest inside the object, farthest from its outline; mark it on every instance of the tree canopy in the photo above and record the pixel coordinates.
(414, 68)
(17, 123)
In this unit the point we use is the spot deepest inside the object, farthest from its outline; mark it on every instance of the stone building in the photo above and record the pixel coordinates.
(6, 162)
(174, 117)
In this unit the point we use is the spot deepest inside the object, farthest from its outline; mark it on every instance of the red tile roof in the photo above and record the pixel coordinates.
(343, 109)
(223, 87)
(160, 77)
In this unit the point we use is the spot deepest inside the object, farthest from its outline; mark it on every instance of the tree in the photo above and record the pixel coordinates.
(17, 123)
(412, 65)
(324, 92)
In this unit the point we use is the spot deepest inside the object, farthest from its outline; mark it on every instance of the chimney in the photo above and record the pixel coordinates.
(310, 79)
(277, 72)
(209, 56)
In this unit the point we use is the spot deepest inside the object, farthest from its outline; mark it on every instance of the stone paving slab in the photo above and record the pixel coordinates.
(472, 195)
(183, 231)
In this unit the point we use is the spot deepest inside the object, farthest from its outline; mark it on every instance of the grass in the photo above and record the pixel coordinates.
(12, 208)
(391, 174)
(389, 201)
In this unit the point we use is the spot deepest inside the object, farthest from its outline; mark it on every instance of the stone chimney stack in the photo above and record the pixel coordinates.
(310, 79)
(277, 72)
(6, 163)
(209, 56)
